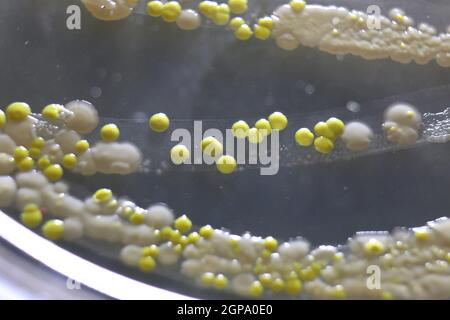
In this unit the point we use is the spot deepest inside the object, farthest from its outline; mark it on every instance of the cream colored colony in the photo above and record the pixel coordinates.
(336, 30)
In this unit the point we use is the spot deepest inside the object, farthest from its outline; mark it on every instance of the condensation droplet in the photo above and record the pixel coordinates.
(96, 92)
(353, 106)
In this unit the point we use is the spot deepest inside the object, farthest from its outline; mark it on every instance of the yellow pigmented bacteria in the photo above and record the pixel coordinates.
(336, 125)
(159, 122)
(297, 5)
(238, 6)
(206, 231)
(244, 32)
(304, 137)
(38, 143)
(44, 162)
(53, 172)
(293, 286)
(255, 136)
(226, 164)
(183, 224)
(221, 15)
(220, 282)
(103, 195)
(136, 218)
(51, 112)
(322, 129)
(53, 229)
(323, 145)
(278, 121)
(31, 216)
(25, 164)
(18, 111)
(82, 146)
(207, 278)
(263, 126)
(236, 22)
(240, 129)
(261, 33)
(155, 8)
(2, 119)
(266, 22)
(179, 154)
(256, 289)
(270, 243)
(211, 146)
(373, 247)
(109, 132)
(147, 264)
(171, 11)
(20, 153)
(152, 251)
(69, 161)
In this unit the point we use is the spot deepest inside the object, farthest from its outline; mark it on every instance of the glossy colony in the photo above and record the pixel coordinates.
(36, 149)
(336, 30)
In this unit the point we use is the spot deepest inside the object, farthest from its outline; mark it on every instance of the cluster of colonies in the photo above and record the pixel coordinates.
(34, 153)
(335, 30)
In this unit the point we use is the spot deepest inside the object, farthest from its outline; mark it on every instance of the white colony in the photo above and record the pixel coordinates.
(159, 216)
(357, 136)
(188, 20)
(22, 132)
(337, 30)
(8, 190)
(84, 117)
(402, 123)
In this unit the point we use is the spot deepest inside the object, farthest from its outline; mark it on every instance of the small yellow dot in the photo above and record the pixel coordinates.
(53, 229)
(31, 218)
(263, 126)
(53, 172)
(207, 278)
(323, 145)
(171, 11)
(2, 119)
(152, 251)
(20, 153)
(240, 129)
(159, 122)
(422, 234)
(266, 22)
(255, 136)
(336, 126)
(183, 224)
(322, 129)
(220, 281)
(147, 264)
(236, 22)
(51, 112)
(244, 32)
(266, 279)
(137, 217)
(238, 6)
(226, 164)
(373, 247)
(103, 195)
(165, 233)
(208, 8)
(211, 146)
(81, 146)
(270, 243)
(386, 295)
(179, 154)
(69, 161)
(297, 5)
(109, 132)
(278, 285)
(278, 121)
(256, 289)
(38, 143)
(338, 292)
(193, 237)
(304, 137)
(261, 33)
(18, 111)
(44, 162)
(155, 8)
(25, 164)
(293, 286)
(206, 231)
(221, 15)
